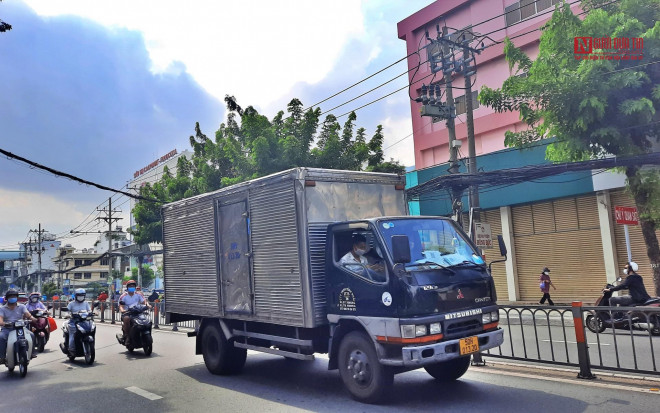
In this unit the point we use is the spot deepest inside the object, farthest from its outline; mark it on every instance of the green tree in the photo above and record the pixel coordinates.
(147, 275)
(49, 289)
(4, 26)
(249, 145)
(594, 108)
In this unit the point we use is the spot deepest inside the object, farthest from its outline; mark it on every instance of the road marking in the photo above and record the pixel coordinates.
(575, 342)
(143, 393)
(571, 381)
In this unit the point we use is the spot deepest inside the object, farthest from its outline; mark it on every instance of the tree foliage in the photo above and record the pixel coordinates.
(148, 275)
(4, 26)
(594, 108)
(249, 145)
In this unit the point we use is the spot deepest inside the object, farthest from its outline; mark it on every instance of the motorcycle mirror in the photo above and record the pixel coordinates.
(618, 279)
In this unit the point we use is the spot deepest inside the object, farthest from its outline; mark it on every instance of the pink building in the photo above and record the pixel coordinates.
(431, 140)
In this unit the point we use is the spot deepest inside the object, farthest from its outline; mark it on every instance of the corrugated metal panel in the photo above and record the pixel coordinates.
(189, 236)
(637, 244)
(574, 253)
(317, 236)
(494, 218)
(276, 264)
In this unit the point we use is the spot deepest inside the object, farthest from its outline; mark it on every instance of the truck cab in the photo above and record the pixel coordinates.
(416, 288)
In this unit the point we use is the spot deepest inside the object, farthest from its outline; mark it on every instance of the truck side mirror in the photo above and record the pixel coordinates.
(500, 241)
(400, 249)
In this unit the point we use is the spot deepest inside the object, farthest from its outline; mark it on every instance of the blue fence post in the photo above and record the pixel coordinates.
(583, 349)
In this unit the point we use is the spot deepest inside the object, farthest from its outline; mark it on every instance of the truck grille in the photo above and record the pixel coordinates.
(462, 327)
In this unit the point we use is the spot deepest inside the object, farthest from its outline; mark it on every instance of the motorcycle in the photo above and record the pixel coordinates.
(626, 320)
(40, 329)
(19, 347)
(84, 337)
(139, 330)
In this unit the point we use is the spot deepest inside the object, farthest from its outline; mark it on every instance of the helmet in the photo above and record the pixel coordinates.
(35, 296)
(633, 266)
(11, 291)
(80, 294)
(546, 269)
(129, 282)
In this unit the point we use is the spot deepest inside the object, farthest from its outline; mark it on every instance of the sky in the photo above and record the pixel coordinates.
(98, 89)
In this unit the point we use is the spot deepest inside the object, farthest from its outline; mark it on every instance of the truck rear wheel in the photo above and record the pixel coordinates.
(449, 370)
(364, 377)
(220, 356)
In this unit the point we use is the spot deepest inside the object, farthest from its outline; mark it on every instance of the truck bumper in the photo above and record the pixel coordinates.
(419, 356)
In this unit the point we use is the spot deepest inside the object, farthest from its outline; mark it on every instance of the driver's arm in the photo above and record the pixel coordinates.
(27, 315)
(2, 321)
(145, 302)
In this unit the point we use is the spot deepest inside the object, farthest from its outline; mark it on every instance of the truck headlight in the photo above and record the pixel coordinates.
(420, 330)
(486, 318)
(408, 331)
(435, 328)
(495, 316)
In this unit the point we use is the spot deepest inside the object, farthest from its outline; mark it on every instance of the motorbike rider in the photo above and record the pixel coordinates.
(34, 303)
(9, 313)
(129, 299)
(79, 304)
(633, 283)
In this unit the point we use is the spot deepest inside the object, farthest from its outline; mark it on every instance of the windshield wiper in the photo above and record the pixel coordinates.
(467, 263)
(417, 264)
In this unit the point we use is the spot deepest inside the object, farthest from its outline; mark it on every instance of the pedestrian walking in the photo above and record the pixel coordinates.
(544, 284)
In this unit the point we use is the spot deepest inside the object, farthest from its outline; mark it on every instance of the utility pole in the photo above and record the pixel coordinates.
(109, 219)
(39, 251)
(469, 69)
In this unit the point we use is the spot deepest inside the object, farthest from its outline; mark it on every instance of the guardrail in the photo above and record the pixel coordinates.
(562, 335)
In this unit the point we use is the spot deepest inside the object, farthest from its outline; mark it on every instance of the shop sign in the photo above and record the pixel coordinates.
(483, 236)
(626, 215)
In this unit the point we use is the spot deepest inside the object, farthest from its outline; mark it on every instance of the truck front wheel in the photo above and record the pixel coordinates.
(449, 370)
(220, 356)
(364, 377)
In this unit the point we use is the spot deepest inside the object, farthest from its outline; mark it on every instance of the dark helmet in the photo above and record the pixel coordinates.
(129, 282)
(546, 269)
(11, 291)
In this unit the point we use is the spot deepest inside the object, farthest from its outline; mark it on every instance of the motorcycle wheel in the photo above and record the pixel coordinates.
(595, 324)
(90, 354)
(148, 349)
(22, 365)
(41, 342)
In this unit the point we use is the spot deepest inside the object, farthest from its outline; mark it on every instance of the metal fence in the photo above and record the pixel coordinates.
(107, 312)
(558, 335)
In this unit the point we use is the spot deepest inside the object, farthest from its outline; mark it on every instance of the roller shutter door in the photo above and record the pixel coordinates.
(637, 244)
(563, 235)
(494, 218)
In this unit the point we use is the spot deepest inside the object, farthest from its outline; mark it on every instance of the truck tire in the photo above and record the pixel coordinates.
(220, 356)
(449, 370)
(364, 377)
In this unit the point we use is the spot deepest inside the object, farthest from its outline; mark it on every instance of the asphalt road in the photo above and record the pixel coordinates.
(174, 379)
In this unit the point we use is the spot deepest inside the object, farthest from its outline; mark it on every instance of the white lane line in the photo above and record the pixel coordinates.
(575, 342)
(143, 393)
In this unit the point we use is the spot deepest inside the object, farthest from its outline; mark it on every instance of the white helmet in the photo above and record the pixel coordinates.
(80, 294)
(633, 266)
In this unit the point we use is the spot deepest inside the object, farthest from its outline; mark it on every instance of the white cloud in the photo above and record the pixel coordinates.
(256, 50)
(398, 146)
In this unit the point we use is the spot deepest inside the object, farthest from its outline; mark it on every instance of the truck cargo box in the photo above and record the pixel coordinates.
(256, 250)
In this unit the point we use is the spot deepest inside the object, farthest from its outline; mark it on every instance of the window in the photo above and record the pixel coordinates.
(461, 106)
(104, 261)
(77, 276)
(512, 14)
(88, 275)
(525, 9)
(370, 266)
(104, 275)
(88, 262)
(78, 262)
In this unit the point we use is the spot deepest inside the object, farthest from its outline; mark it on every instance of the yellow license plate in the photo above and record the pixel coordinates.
(469, 345)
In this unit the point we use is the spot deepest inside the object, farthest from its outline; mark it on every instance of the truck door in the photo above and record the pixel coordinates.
(235, 280)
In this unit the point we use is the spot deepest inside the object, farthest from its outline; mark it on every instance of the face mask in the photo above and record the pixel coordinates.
(625, 271)
(34, 300)
(360, 252)
(12, 300)
(131, 289)
(546, 272)
(80, 298)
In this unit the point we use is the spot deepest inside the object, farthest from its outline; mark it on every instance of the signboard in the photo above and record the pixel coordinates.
(626, 215)
(482, 235)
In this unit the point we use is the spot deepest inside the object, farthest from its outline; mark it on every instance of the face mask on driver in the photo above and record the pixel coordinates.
(12, 300)
(131, 289)
(360, 252)
(625, 271)
(34, 299)
(80, 298)
(546, 272)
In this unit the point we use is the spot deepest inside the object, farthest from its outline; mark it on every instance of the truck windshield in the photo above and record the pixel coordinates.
(433, 242)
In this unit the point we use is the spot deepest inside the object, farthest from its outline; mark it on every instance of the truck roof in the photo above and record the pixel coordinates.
(317, 174)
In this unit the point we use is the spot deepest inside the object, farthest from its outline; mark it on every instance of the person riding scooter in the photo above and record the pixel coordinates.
(633, 283)
(10, 313)
(129, 299)
(40, 328)
(79, 304)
